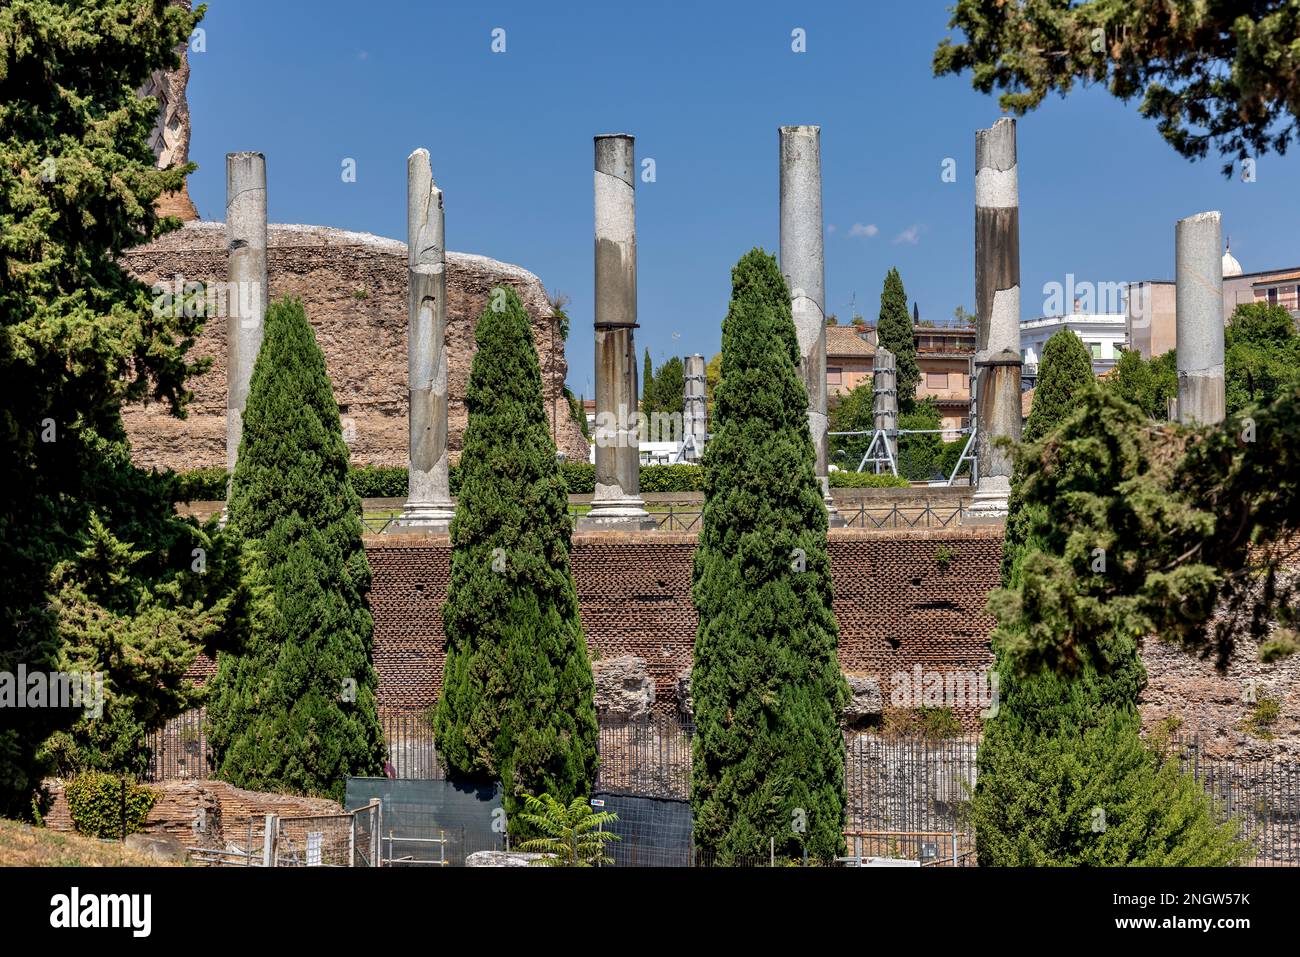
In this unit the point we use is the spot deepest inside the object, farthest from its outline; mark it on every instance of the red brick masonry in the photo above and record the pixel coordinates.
(897, 603)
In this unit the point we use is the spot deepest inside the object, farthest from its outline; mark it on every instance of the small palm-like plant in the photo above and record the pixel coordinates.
(572, 835)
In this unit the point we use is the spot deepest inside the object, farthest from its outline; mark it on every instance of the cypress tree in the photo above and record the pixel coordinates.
(647, 385)
(768, 752)
(293, 705)
(669, 394)
(1064, 374)
(894, 332)
(1064, 777)
(517, 697)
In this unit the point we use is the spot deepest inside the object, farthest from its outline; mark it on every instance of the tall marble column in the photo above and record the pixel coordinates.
(246, 263)
(997, 303)
(429, 507)
(1199, 319)
(804, 268)
(617, 502)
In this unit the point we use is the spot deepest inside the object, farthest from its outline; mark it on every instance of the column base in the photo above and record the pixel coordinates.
(618, 515)
(428, 518)
(987, 507)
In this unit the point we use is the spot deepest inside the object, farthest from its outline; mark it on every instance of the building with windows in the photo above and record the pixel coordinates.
(1151, 305)
(943, 355)
(1103, 333)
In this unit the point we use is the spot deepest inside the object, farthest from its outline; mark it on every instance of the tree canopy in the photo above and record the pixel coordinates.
(1222, 75)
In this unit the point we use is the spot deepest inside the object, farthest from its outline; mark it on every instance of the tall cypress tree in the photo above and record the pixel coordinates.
(647, 385)
(894, 332)
(517, 696)
(293, 705)
(1064, 777)
(768, 752)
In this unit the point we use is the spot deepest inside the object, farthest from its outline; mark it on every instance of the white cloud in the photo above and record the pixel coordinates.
(911, 235)
(868, 230)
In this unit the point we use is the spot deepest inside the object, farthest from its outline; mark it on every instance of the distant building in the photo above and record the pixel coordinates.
(1151, 306)
(1103, 333)
(943, 355)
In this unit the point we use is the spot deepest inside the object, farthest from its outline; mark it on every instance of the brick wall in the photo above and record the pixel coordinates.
(897, 606)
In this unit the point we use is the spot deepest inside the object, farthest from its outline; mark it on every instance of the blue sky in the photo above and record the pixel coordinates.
(703, 87)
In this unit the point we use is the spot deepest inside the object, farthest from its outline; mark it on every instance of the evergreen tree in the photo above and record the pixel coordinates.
(1064, 374)
(1064, 777)
(668, 396)
(96, 569)
(894, 332)
(768, 752)
(1261, 355)
(647, 385)
(293, 705)
(517, 698)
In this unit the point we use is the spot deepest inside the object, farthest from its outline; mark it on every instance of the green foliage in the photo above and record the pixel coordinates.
(1148, 384)
(894, 331)
(712, 379)
(667, 393)
(1261, 355)
(852, 412)
(1066, 780)
(379, 481)
(78, 338)
(517, 700)
(921, 457)
(293, 702)
(576, 412)
(1224, 74)
(930, 723)
(647, 383)
(1263, 716)
(96, 805)
(572, 832)
(844, 479)
(1065, 374)
(768, 753)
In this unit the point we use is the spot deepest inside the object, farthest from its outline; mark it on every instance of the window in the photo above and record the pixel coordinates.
(1272, 296)
(936, 380)
(833, 375)
(1096, 349)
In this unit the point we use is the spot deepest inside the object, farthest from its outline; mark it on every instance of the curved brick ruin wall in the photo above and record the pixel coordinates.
(353, 286)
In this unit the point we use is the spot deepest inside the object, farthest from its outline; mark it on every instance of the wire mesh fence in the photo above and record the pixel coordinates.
(647, 757)
(179, 750)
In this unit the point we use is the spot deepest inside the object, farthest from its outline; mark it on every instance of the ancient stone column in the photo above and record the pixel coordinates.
(617, 502)
(429, 507)
(803, 265)
(695, 406)
(1199, 319)
(246, 248)
(884, 395)
(997, 302)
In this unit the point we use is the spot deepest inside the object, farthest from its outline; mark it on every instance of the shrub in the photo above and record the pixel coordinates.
(95, 803)
(867, 480)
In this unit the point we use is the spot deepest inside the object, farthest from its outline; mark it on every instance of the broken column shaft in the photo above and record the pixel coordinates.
(429, 506)
(997, 302)
(246, 251)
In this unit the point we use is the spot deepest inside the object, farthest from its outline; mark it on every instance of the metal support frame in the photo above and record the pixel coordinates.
(967, 455)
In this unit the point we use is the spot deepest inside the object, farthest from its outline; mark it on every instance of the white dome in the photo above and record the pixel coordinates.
(1230, 265)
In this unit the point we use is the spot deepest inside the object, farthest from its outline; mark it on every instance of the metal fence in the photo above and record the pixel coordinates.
(677, 518)
(1262, 796)
(179, 750)
(412, 754)
(646, 758)
(907, 796)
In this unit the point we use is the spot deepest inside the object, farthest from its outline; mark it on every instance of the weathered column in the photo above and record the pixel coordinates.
(997, 302)
(429, 507)
(617, 502)
(884, 394)
(246, 249)
(695, 406)
(804, 268)
(1199, 319)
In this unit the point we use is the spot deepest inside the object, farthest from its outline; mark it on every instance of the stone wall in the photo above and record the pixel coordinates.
(353, 286)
